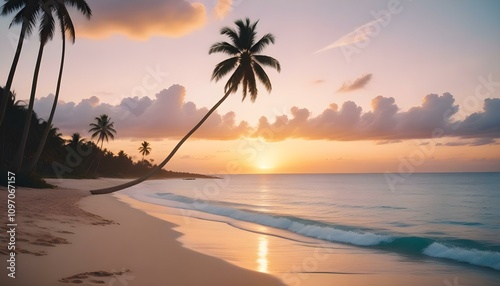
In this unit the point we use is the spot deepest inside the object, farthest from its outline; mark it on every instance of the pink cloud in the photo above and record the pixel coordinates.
(168, 115)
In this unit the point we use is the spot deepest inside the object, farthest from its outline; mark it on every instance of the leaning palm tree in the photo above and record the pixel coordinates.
(46, 31)
(66, 25)
(145, 149)
(245, 60)
(26, 16)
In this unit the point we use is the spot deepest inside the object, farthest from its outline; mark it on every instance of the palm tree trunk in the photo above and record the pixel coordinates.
(172, 153)
(99, 159)
(41, 145)
(18, 159)
(10, 79)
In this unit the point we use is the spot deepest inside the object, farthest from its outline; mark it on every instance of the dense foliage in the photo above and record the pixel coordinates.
(72, 158)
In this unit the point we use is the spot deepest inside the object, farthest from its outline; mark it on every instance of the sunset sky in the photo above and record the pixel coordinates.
(366, 86)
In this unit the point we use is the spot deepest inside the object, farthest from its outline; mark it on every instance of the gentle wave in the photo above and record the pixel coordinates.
(307, 228)
(342, 234)
(473, 256)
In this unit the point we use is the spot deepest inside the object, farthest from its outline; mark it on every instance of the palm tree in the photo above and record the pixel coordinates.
(145, 149)
(66, 25)
(27, 15)
(246, 62)
(46, 31)
(76, 140)
(103, 129)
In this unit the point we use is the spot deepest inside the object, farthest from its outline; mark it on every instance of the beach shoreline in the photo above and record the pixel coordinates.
(296, 259)
(65, 236)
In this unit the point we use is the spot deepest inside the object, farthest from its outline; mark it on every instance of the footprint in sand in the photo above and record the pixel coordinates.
(98, 277)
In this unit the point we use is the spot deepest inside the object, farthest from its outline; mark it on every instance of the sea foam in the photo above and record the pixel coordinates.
(472, 256)
(306, 228)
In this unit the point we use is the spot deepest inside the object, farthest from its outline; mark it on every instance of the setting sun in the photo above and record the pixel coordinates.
(264, 167)
(265, 161)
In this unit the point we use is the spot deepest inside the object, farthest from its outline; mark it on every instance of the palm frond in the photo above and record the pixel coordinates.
(27, 19)
(251, 83)
(81, 5)
(232, 35)
(11, 6)
(224, 67)
(244, 88)
(223, 47)
(95, 134)
(268, 61)
(266, 40)
(246, 33)
(47, 27)
(234, 80)
(65, 23)
(261, 74)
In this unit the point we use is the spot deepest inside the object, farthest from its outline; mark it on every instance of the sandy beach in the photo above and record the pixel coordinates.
(65, 236)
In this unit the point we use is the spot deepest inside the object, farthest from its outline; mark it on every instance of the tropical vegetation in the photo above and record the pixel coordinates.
(28, 13)
(71, 158)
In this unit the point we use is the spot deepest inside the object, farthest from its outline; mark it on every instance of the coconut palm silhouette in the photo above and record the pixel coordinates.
(245, 60)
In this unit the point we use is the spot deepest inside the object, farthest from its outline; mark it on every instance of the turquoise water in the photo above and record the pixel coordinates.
(454, 218)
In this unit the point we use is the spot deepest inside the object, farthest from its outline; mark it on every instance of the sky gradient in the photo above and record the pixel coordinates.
(365, 86)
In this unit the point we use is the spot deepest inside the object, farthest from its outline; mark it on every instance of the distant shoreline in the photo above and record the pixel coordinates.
(169, 175)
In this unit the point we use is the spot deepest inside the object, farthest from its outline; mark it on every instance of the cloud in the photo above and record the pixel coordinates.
(166, 116)
(358, 83)
(388, 142)
(360, 34)
(385, 122)
(141, 19)
(475, 142)
(222, 8)
(318, 81)
(485, 124)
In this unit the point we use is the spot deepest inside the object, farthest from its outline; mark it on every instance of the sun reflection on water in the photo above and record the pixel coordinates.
(262, 254)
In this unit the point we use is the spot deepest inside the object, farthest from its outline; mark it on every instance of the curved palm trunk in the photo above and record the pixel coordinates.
(162, 164)
(10, 79)
(41, 145)
(18, 159)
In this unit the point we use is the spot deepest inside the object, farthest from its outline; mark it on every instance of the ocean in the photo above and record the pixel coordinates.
(444, 222)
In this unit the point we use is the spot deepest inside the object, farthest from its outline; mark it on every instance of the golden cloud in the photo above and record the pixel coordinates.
(141, 20)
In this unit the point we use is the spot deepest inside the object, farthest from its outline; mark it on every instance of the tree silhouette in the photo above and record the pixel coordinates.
(27, 15)
(103, 129)
(145, 149)
(246, 62)
(66, 25)
(76, 140)
(46, 33)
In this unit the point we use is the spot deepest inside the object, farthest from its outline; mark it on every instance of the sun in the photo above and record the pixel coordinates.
(265, 162)
(264, 167)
